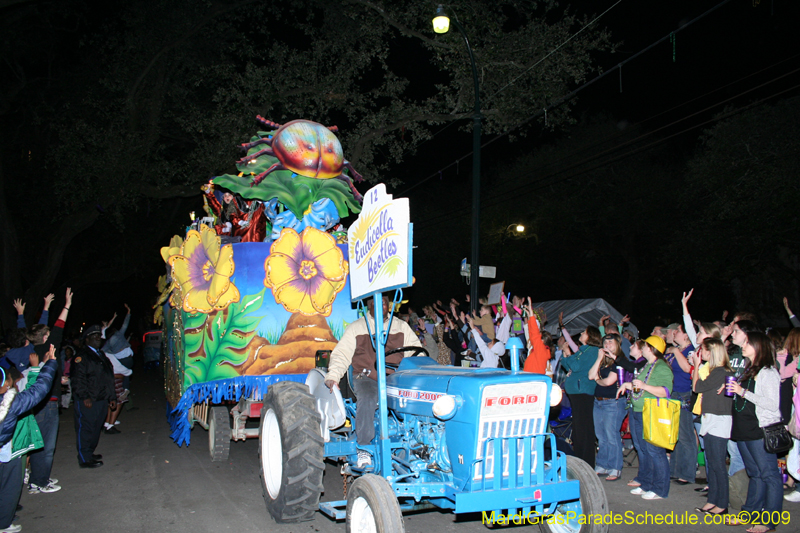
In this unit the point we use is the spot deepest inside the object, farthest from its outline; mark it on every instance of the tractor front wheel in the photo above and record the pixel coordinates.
(372, 507)
(290, 450)
(593, 502)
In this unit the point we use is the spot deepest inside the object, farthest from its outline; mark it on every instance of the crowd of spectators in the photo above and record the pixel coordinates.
(732, 379)
(43, 372)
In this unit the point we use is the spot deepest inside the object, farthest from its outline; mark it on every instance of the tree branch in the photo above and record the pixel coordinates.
(8, 3)
(69, 228)
(184, 37)
(403, 29)
(378, 132)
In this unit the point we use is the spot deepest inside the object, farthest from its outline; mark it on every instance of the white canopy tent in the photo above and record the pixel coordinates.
(579, 313)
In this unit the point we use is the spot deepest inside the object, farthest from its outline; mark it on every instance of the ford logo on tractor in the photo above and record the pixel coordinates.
(510, 400)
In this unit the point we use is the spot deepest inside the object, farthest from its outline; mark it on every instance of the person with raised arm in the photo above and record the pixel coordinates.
(795, 321)
(567, 337)
(540, 353)
(494, 349)
(683, 459)
(46, 412)
(21, 347)
(580, 389)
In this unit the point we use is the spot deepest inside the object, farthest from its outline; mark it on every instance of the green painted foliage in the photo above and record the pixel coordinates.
(220, 337)
(337, 328)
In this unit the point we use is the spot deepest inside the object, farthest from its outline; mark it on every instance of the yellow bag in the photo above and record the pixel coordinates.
(661, 419)
(703, 373)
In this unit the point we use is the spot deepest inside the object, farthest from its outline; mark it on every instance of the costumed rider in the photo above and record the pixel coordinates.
(239, 219)
(355, 347)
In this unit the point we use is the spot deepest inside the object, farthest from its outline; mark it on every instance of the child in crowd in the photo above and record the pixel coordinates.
(12, 406)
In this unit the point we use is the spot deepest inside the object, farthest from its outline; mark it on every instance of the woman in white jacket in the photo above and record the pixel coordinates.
(756, 404)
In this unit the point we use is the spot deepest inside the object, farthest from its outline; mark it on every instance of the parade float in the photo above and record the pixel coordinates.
(257, 289)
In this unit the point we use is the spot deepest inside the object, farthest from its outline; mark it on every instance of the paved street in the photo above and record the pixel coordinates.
(150, 485)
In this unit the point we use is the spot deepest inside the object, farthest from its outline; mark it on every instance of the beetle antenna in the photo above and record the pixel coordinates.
(267, 122)
(247, 146)
(255, 155)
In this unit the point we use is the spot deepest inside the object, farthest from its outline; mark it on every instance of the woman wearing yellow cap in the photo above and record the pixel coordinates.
(654, 381)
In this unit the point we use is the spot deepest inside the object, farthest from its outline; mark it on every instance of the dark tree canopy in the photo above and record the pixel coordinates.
(745, 183)
(114, 113)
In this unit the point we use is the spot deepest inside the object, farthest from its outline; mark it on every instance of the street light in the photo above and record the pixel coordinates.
(519, 228)
(441, 24)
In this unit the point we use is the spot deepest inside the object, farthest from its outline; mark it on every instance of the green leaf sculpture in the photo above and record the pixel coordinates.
(296, 192)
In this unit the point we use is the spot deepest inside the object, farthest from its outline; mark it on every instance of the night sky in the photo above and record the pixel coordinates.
(736, 54)
(741, 52)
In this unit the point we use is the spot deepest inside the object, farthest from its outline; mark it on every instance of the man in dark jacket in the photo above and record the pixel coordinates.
(92, 378)
(12, 406)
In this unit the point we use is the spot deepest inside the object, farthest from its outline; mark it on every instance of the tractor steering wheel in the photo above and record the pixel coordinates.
(416, 349)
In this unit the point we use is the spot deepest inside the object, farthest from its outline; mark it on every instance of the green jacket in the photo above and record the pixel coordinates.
(27, 436)
(661, 376)
(579, 364)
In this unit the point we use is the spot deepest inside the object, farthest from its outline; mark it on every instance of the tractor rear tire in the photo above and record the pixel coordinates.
(372, 507)
(593, 502)
(290, 450)
(219, 433)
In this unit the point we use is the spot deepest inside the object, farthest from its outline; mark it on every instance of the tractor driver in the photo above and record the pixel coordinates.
(355, 348)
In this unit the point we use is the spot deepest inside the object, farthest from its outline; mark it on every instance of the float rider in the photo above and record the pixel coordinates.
(355, 348)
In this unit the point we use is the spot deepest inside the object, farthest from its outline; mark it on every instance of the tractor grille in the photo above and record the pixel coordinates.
(509, 413)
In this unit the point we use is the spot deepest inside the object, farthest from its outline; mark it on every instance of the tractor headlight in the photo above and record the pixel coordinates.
(555, 395)
(444, 407)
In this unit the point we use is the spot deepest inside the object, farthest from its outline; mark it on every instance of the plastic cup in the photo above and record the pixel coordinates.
(620, 376)
(729, 379)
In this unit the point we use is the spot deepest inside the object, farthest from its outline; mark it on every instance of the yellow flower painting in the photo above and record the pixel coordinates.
(203, 271)
(306, 271)
(174, 248)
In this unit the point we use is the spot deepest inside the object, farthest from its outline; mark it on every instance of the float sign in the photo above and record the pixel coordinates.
(379, 243)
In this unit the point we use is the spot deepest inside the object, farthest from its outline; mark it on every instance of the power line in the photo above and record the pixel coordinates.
(556, 49)
(675, 122)
(673, 108)
(563, 99)
(512, 82)
(500, 197)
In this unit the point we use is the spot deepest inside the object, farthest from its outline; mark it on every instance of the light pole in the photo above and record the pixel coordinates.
(441, 24)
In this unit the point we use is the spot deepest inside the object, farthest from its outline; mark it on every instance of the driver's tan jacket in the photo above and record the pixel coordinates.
(355, 348)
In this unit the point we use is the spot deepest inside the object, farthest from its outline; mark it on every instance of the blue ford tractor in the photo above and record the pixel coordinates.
(468, 440)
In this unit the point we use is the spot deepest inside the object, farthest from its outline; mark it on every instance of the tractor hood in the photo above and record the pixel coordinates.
(492, 404)
(419, 381)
